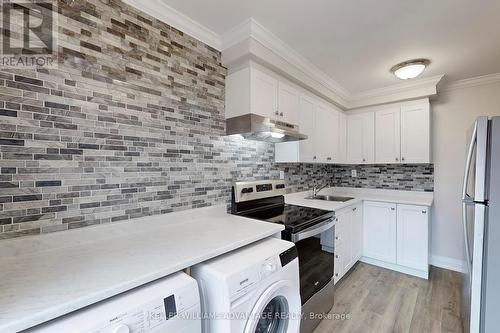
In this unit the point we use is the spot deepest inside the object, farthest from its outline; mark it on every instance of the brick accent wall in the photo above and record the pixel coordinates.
(131, 124)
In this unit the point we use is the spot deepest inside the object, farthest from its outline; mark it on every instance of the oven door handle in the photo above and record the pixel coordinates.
(314, 230)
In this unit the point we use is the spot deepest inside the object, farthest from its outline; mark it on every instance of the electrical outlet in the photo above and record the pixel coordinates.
(282, 174)
(354, 173)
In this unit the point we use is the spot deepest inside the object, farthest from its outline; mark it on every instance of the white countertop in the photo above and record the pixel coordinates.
(47, 276)
(360, 194)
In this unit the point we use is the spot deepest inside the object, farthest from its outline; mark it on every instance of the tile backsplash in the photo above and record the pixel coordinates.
(407, 177)
(131, 124)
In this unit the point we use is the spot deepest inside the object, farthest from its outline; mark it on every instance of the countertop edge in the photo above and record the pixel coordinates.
(67, 307)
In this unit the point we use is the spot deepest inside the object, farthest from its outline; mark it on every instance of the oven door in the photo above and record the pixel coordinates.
(315, 263)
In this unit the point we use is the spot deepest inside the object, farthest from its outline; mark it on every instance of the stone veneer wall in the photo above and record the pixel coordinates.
(131, 124)
(408, 177)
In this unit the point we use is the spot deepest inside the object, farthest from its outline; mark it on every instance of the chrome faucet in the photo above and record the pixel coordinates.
(316, 189)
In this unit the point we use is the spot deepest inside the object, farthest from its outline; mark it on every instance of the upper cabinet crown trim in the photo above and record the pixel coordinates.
(250, 39)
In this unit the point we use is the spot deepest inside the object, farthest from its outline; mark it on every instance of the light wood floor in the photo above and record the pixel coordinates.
(379, 300)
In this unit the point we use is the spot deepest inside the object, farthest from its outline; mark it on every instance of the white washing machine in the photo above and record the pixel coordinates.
(168, 305)
(255, 289)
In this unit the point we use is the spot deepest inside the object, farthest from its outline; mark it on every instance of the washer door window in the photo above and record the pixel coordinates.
(277, 310)
(274, 317)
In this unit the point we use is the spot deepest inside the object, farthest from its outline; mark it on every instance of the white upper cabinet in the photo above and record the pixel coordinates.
(251, 90)
(320, 122)
(342, 154)
(306, 126)
(264, 94)
(327, 134)
(288, 104)
(387, 136)
(401, 132)
(415, 132)
(360, 138)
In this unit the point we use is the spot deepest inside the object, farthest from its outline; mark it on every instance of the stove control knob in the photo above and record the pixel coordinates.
(122, 328)
(247, 190)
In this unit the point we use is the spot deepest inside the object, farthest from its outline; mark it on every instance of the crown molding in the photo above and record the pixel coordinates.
(471, 82)
(252, 29)
(403, 91)
(160, 10)
(251, 37)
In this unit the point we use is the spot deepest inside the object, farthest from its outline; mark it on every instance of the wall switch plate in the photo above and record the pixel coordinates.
(282, 174)
(354, 173)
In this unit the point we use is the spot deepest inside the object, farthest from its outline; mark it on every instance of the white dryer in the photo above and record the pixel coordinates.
(170, 304)
(251, 290)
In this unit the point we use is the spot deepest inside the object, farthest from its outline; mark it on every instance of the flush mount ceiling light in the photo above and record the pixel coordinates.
(410, 69)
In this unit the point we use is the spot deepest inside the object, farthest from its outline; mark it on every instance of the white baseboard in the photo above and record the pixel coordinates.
(447, 263)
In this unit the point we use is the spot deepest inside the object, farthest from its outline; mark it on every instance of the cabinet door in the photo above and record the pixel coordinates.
(327, 128)
(379, 231)
(345, 220)
(387, 135)
(342, 154)
(360, 138)
(355, 139)
(307, 148)
(288, 104)
(357, 233)
(368, 138)
(415, 133)
(337, 265)
(413, 237)
(264, 94)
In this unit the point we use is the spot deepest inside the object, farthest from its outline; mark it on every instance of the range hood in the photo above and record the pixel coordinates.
(254, 127)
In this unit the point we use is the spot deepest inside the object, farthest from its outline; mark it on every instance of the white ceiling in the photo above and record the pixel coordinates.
(356, 42)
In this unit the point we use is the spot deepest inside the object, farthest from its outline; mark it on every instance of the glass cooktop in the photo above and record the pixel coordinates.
(295, 218)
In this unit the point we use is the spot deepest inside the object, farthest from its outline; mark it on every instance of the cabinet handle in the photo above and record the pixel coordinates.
(397, 159)
(281, 114)
(392, 208)
(336, 238)
(314, 157)
(424, 212)
(336, 274)
(328, 158)
(364, 159)
(354, 209)
(402, 158)
(277, 113)
(337, 256)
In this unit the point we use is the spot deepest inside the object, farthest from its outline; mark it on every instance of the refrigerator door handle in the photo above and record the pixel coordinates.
(468, 163)
(466, 199)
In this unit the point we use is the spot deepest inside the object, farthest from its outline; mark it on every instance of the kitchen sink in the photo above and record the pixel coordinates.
(330, 198)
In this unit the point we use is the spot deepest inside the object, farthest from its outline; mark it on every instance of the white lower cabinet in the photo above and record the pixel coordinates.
(396, 237)
(348, 239)
(379, 231)
(413, 237)
(388, 235)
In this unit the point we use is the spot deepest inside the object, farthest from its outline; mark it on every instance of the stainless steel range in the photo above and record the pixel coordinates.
(264, 200)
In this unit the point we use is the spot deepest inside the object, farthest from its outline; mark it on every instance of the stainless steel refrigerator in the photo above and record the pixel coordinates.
(481, 223)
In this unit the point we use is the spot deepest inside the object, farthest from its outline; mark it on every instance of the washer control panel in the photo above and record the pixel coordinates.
(154, 308)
